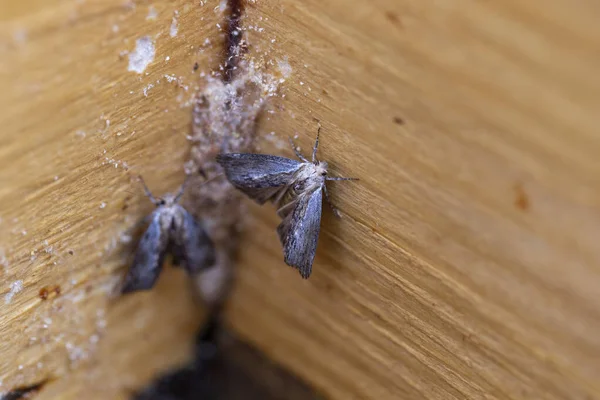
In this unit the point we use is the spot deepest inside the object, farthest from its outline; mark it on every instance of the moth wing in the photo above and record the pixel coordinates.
(191, 245)
(148, 259)
(299, 232)
(260, 176)
(261, 195)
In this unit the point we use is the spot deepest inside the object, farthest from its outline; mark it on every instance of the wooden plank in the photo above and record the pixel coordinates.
(466, 263)
(77, 126)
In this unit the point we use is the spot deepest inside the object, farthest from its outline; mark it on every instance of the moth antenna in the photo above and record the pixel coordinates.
(181, 189)
(212, 178)
(336, 212)
(147, 191)
(298, 154)
(338, 178)
(314, 153)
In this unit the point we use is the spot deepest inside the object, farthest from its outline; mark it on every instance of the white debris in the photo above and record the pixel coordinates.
(15, 288)
(75, 353)
(147, 88)
(3, 260)
(174, 28)
(152, 14)
(142, 56)
(101, 319)
(284, 67)
(47, 323)
(102, 205)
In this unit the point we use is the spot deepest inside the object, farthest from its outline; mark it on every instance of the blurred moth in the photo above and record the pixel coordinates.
(171, 230)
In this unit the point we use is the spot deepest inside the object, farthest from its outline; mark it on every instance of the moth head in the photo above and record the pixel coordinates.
(321, 167)
(168, 200)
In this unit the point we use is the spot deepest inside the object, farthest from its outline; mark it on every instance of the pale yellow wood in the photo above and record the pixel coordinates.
(466, 264)
(76, 127)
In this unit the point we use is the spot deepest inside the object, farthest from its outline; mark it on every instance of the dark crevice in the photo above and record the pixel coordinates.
(223, 366)
(23, 392)
(233, 38)
(226, 368)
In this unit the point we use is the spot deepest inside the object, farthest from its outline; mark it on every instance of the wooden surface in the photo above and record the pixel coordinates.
(68, 205)
(466, 264)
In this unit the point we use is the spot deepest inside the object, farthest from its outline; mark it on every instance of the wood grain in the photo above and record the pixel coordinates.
(466, 264)
(77, 126)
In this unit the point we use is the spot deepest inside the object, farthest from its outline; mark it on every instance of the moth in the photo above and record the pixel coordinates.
(295, 187)
(172, 229)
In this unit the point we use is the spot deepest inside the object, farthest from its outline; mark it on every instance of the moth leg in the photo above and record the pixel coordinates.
(341, 179)
(283, 211)
(147, 191)
(314, 153)
(280, 194)
(298, 154)
(336, 212)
